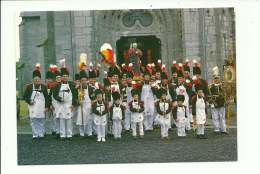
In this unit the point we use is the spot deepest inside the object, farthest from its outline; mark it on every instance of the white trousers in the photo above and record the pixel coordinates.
(187, 125)
(164, 130)
(127, 121)
(141, 129)
(53, 124)
(81, 129)
(106, 127)
(65, 128)
(154, 116)
(218, 119)
(148, 122)
(94, 126)
(200, 129)
(88, 128)
(101, 131)
(38, 127)
(117, 128)
(74, 127)
(190, 113)
(181, 130)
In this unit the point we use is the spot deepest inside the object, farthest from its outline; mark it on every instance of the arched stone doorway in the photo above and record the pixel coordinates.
(149, 45)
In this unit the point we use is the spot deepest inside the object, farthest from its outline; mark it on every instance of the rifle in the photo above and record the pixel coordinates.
(80, 98)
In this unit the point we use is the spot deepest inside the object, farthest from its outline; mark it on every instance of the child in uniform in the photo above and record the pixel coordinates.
(117, 114)
(136, 107)
(198, 109)
(99, 109)
(164, 108)
(180, 113)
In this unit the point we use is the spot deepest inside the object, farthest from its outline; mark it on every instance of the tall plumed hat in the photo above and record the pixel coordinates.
(186, 66)
(196, 68)
(36, 72)
(180, 72)
(174, 67)
(215, 72)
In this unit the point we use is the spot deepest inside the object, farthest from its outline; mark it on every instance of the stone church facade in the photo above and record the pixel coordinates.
(167, 34)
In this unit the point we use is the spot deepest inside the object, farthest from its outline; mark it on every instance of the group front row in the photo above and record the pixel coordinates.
(84, 107)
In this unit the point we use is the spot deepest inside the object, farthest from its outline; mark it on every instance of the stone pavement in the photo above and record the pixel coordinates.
(151, 149)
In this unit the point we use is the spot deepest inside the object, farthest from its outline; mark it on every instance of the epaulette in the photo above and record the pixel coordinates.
(171, 103)
(142, 101)
(123, 107)
(189, 84)
(109, 108)
(192, 99)
(54, 84)
(74, 83)
(209, 86)
(130, 103)
(26, 86)
(92, 104)
(139, 83)
(105, 102)
(100, 85)
(156, 103)
(205, 81)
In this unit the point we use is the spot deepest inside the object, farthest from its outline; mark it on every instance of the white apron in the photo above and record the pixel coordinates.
(86, 107)
(168, 97)
(160, 119)
(37, 109)
(147, 96)
(135, 116)
(128, 99)
(100, 120)
(200, 111)
(63, 109)
(117, 113)
(181, 117)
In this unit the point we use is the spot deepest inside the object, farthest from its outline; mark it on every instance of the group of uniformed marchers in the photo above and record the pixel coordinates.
(132, 98)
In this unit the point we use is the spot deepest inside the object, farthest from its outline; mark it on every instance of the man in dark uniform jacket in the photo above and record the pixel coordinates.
(38, 104)
(65, 94)
(217, 103)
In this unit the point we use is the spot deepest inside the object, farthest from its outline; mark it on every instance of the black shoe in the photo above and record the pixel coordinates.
(76, 135)
(204, 136)
(42, 137)
(69, 138)
(63, 138)
(216, 132)
(57, 136)
(81, 137)
(199, 136)
(53, 133)
(224, 132)
(91, 137)
(170, 129)
(35, 138)
(151, 130)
